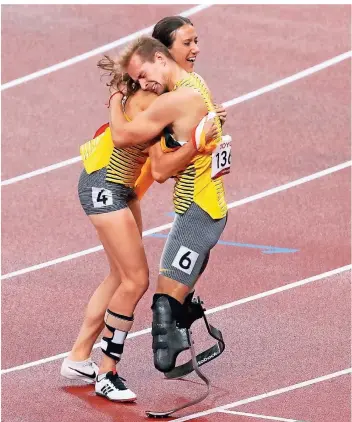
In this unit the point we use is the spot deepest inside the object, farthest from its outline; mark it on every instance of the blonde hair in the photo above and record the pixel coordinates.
(145, 48)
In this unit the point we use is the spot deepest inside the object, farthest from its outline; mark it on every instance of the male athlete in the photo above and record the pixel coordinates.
(199, 199)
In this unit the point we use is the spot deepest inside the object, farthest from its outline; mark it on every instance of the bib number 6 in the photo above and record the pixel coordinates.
(185, 259)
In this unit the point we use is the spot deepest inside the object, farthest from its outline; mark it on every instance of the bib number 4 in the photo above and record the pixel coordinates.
(221, 158)
(101, 197)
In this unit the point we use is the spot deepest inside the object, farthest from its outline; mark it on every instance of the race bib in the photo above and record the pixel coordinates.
(221, 158)
(185, 259)
(101, 197)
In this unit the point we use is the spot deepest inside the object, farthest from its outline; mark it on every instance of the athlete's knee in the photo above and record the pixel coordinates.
(113, 278)
(136, 285)
(119, 325)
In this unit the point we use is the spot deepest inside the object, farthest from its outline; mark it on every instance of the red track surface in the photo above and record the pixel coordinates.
(294, 131)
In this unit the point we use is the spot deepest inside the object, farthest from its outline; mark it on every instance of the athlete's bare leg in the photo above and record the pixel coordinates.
(120, 236)
(93, 322)
(172, 288)
(135, 208)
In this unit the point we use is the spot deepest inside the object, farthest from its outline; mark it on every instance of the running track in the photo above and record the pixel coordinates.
(286, 317)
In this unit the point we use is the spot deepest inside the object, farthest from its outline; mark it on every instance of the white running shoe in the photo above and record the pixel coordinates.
(85, 370)
(111, 386)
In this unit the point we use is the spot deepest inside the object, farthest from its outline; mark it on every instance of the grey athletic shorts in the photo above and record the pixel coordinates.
(187, 248)
(99, 197)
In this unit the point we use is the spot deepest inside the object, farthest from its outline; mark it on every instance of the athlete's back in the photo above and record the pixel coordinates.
(126, 163)
(138, 102)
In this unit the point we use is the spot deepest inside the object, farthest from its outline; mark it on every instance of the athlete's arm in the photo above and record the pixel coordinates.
(149, 123)
(219, 108)
(164, 165)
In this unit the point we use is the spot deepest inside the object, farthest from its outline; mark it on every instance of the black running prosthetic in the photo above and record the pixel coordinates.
(205, 356)
(191, 310)
(168, 340)
(167, 413)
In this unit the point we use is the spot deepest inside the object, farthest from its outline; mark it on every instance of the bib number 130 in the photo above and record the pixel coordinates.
(221, 158)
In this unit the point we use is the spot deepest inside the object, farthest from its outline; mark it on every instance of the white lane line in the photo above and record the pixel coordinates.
(167, 226)
(266, 395)
(96, 51)
(208, 312)
(290, 79)
(41, 171)
(65, 354)
(227, 104)
(281, 289)
(74, 255)
(292, 184)
(253, 415)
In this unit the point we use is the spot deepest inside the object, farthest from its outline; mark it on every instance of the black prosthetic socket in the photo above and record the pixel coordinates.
(168, 339)
(191, 311)
(185, 314)
(176, 306)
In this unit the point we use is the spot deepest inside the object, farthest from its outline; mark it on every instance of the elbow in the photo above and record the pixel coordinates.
(159, 176)
(118, 142)
(117, 139)
(120, 138)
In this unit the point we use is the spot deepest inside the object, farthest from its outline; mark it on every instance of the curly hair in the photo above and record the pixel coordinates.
(119, 79)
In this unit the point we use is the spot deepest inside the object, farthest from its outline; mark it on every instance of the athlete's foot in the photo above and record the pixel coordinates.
(112, 387)
(85, 370)
(168, 339)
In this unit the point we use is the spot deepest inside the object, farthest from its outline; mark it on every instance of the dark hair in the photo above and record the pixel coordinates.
(165, 29)
(146, 47)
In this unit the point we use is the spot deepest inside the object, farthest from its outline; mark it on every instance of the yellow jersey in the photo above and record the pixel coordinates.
(195, 184)
(125, 164)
